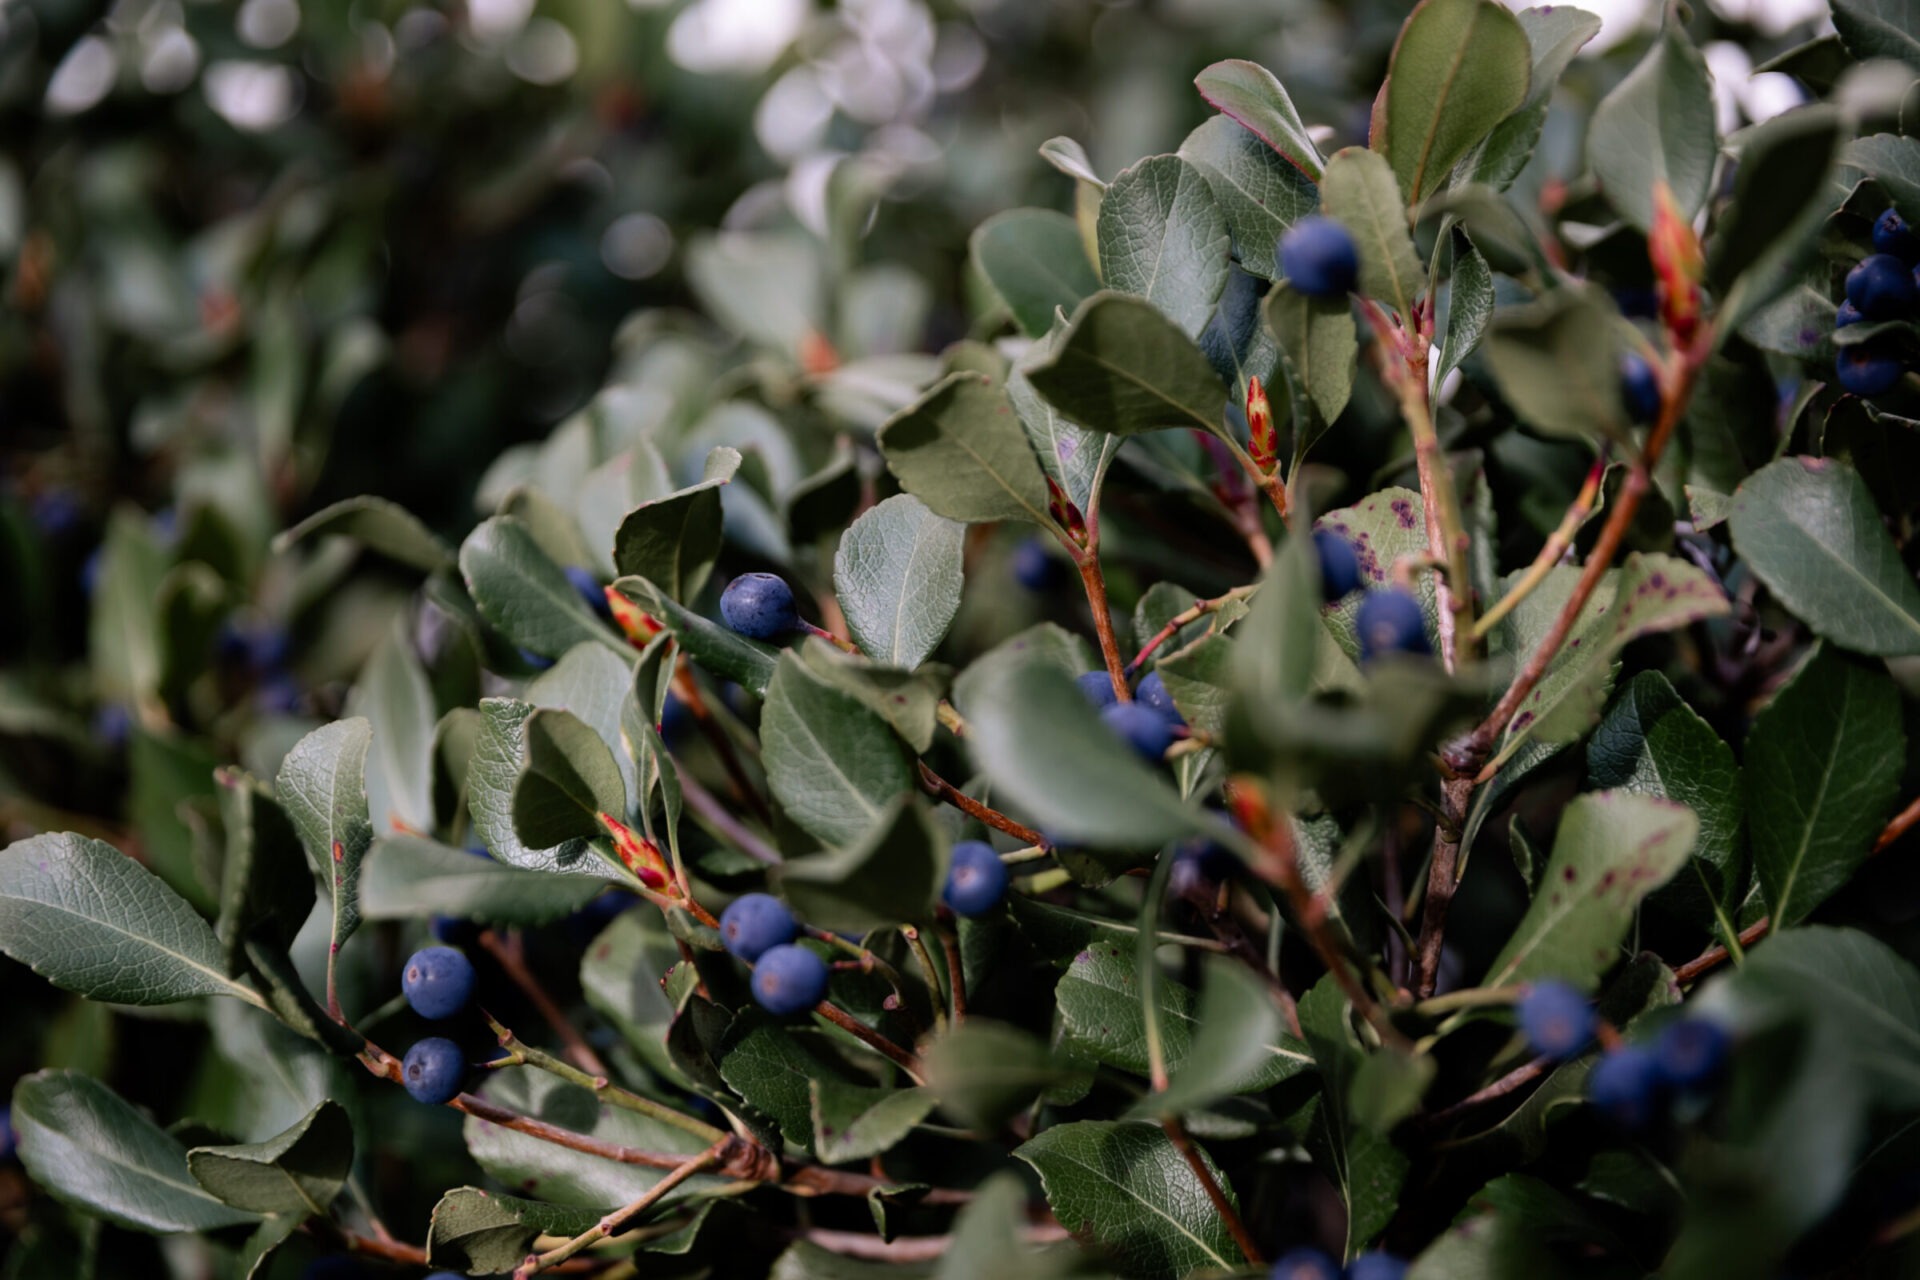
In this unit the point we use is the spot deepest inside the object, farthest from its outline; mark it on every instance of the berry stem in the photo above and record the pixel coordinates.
(511, 956)
(1177, 1134)
(1186, 617)
(1088, 562)
(935, 785)
(866, 1035)
(1557, 544)
(608, 1092)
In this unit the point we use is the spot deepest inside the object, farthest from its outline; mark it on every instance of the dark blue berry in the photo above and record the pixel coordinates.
(1882, 287)
(1152, 692)
(57, 512)
(1037, 569)
(1868, 368)
(1845, 314)
(1691, 1052)
(976, 879)
(112, 725)
(754, 924)
(1390, 621)
(1339, 564)
(789, 979)
(166, 526)
(1145, 730)
(438, 982)
(675, 721)
(279, 694)
(590, 590)
(8, 1142)
(1318, 258)
(1625, 1086)
(1098, 686)
(1892, 235)
(1640, 388)
(1556, 1019)
(268, 646)
(759, 606)
(1377, 1264)
(1638, 301)
(433, 1070)
(538, 661)
(1305, 1264)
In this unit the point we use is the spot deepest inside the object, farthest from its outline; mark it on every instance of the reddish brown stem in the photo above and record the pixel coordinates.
(1095, 582)
(872, 1039)
(1898, 826)
(481, 1109)
(956, 975)
(1713, 957)
(941, 789)
(1500, 1088)
(511, 956)
(1177, 1135)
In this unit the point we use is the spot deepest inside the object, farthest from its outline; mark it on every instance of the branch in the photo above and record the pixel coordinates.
(1088, 562)
(1557, 544)
(1177, 1135)
(1199, 610)
(521, 1053)
(1713, 957)
(619, 1218)
(512, 958)
(938, 787)
(860, 1031)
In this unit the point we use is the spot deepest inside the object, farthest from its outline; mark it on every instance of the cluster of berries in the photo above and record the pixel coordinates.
(1150, 724)
(1884, 286)
(1389, 619)
(438, 983)
(1630, 1082)
(1311, 1264)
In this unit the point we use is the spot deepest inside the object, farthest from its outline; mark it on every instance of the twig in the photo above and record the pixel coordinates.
(707, 806)
(956, 974)
(521, 1052)
(511, 956)
(614, 1221)
(1088, 562)
(938, 787)
(480, 1109)
(1500, 1088)
(1715, 956)
(1447, 540)
(1198, 610)
(689, 693)
(927, 967)
(1557, 544)
(1177, 1134)
(1898, 825)
(860, 1031)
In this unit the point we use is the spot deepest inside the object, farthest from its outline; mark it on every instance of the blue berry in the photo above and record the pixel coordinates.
(1882, 287)
(789, 979)
(1318, 258)
(438, 982)
(1868, 368)
(538, 661)
(1152, 692)
(1639, 388)
(8, 1143)
(759, 606)
(166, 526)
(112, 725)
(590, 590)
(754, 924)
(1390, 621)
(1377, 1264)
(1638, 301)
(1892, 235)
(675, 721)
(976, 879)
(1098, 686)
(1845, 314)
(57, 512)
(279, 694)
(1145, 730)
(1625, 1086)
(1036, 569)
(1305, 1264)
(268, 646)
(1556, 1019)
(1339, 565)
(1691, 1052)
(433, 1070)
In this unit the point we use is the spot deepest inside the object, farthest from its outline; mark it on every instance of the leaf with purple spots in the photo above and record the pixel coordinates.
(1383, 528)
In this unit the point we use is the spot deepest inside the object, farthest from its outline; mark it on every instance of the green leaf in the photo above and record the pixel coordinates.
(1259, 192)
(773, 1068)
(1879, 29)
(986, 1238)
(486, 1233)
(1249, 94)
(832, 764)
(1123, 367)
(909, 701)
(986, 1072)
(1040, 742)
(1070, 158)
(1459, 68)
(1383, 528)
(408, 877)
(1124, 1187)
(87, 1146)
(1469, 305)
(1894, 162)
(1163, 237)
(805, 1261)
(620, 978)
(1388, 1087)
(1657, 126)
(122, 632)
(561, 1175)
(1365, 1168)
(1036, 261)
(1238, 1037)
(378, 525)
(256, 1255)
(898, 575)
(1651, 743)
(524, 594)
(960, 449)
(1612, 849)
(299, 1171)
(1867, 990)
(851, 1122)
(1360, 192)
(1557, 363)
(266, 886)
(1823, 767)
(1229, 1043)
(1647, 594)
(1810, 529)
(731, 657)
(569, 780)
(1779, 199)
(1318, 339)
(1555, 32)
(322, 785)
(394, 696)
(87, 918)
(499, 752)
(1074, 456)
(594, 683)
(891, 876)
(673, 541)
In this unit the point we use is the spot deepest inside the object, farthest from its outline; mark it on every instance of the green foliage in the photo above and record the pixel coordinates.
(348, 415)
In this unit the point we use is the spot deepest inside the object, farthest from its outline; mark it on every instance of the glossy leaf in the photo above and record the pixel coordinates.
(1318, 338)
(986, 1072)
(1657, 126)
(891, 876)
(1459, 68)
(1258, 190)
(570, 778)
(499, 752)
(1074, 456)
(898, 575)
(523, 593)
(731, 657)
(1555, 33)
(407, 877)
(851, 1122)
(265, 884)
(1879, 28)
(1163, 238)
(1557, 364)
(1824, 761)
(1366, 1169)
(486, 1233)
(1238, 1036)
(1469, 306)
